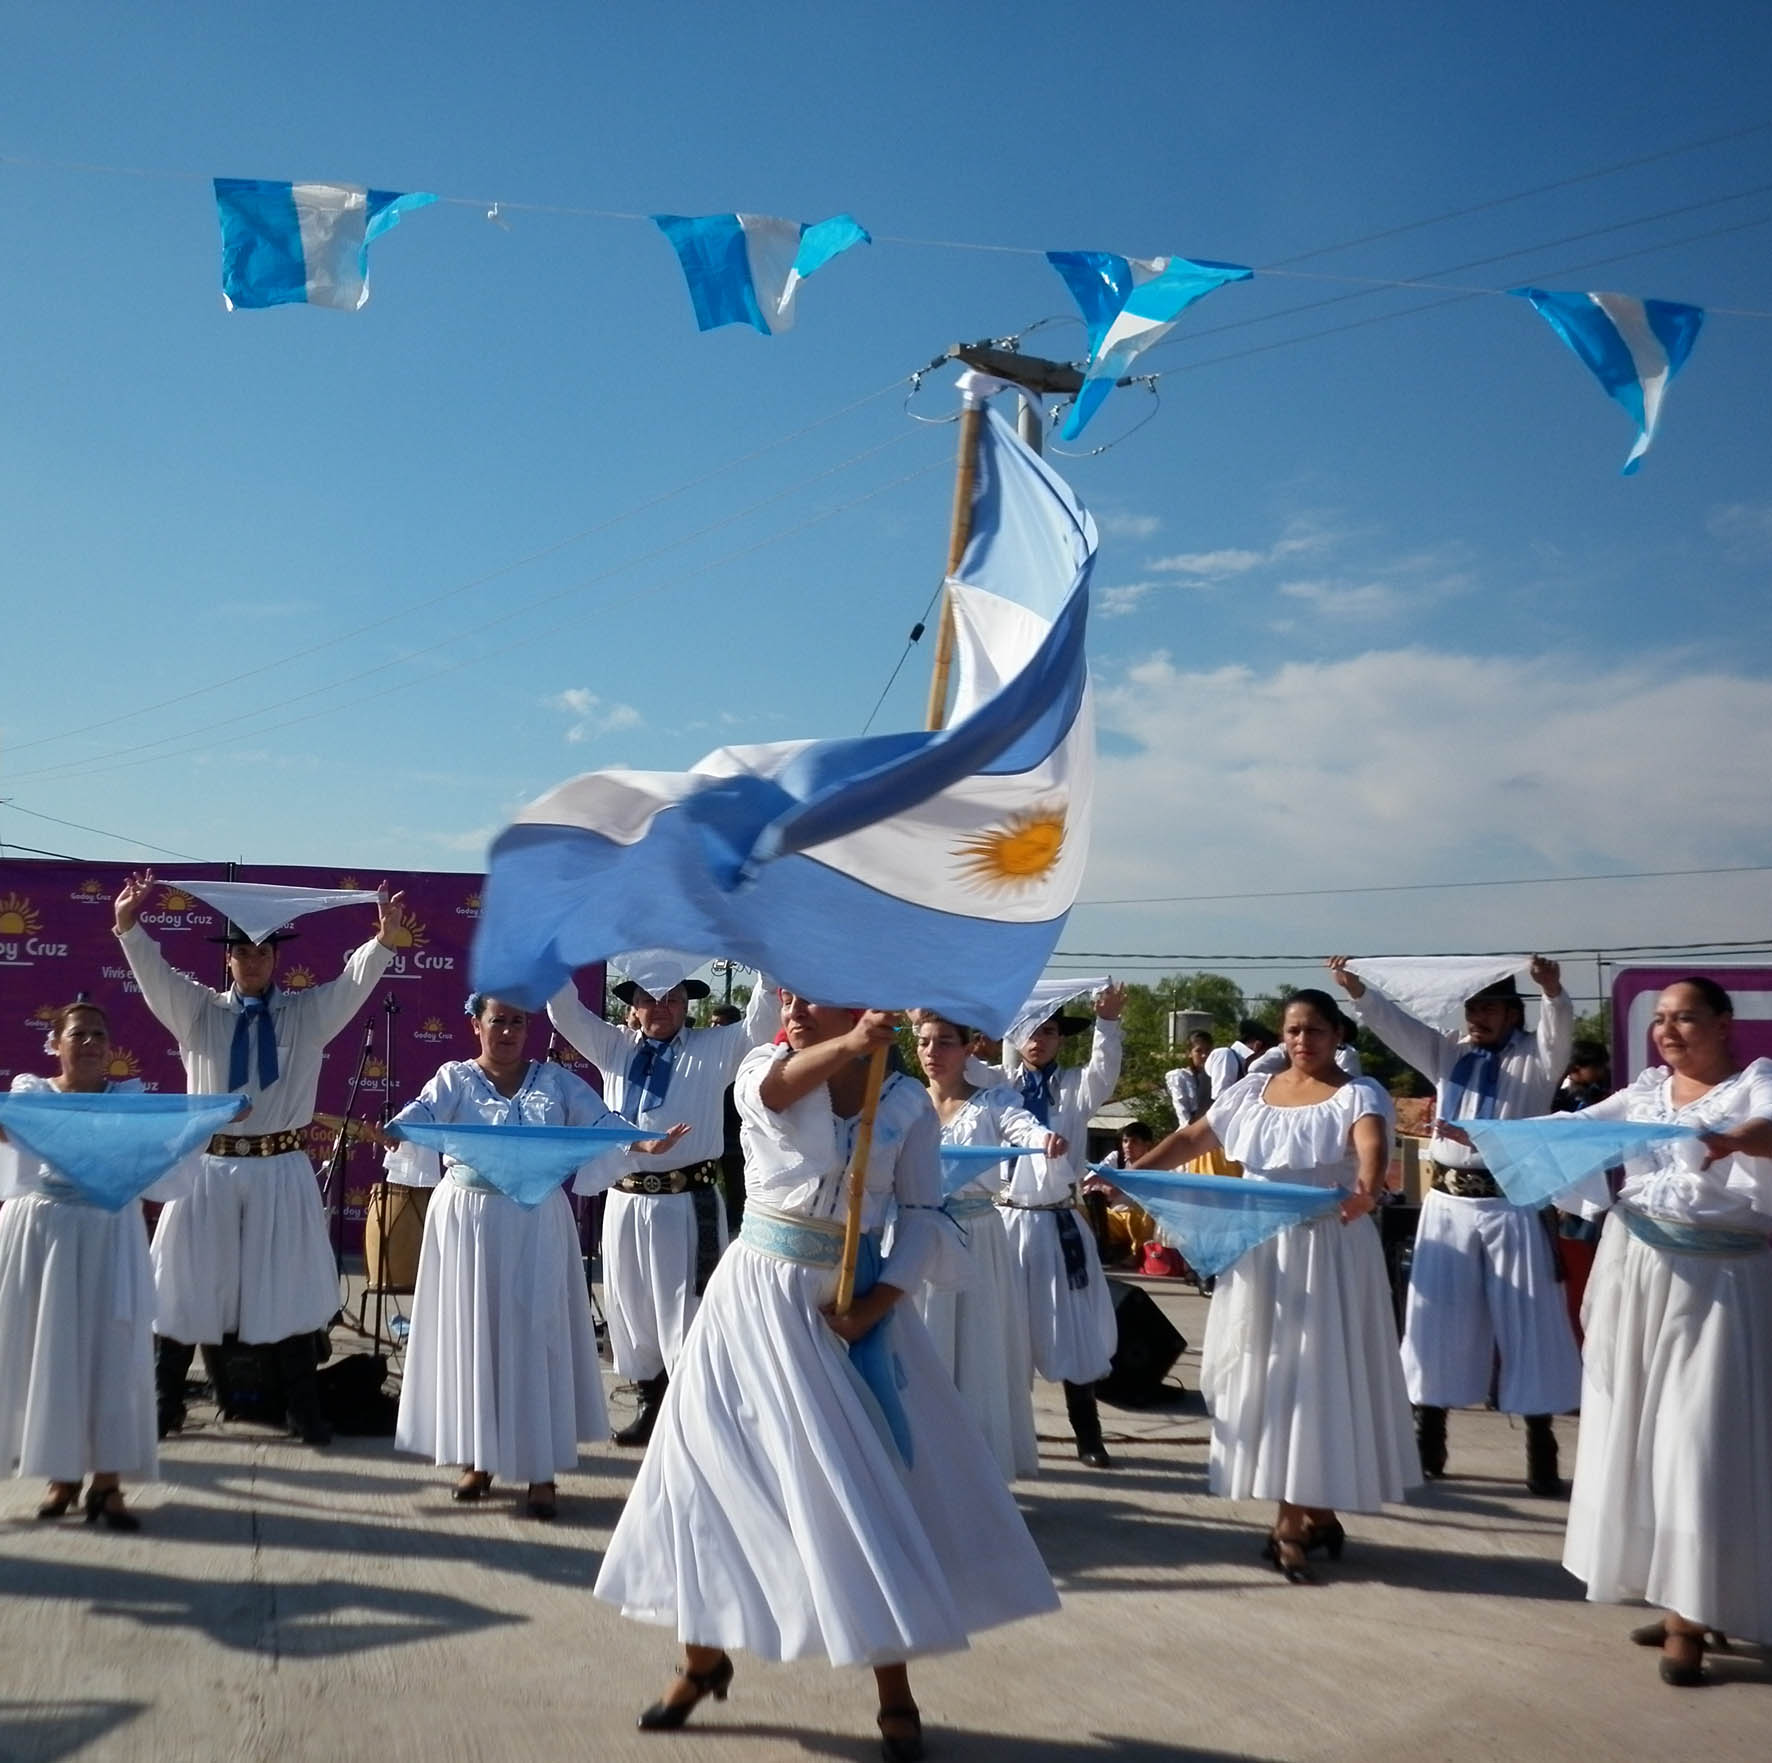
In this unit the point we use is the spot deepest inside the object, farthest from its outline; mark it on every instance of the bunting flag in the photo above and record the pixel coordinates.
(1633, 348)
(525, 1163)
(259, 908)
(960, 1164)
(1433, 988)
(113, 1145)
(1535, 1160)
(293, 244)
(1214, 1220)
(1128, 305)
(931, 869)
(747, 268)
(1044, 1002)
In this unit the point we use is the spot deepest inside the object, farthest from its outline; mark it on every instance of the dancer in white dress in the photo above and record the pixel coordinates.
(981, 1330)
(246, 1254)
(1674, 1459)
(787, 1506)
(1300, 1365)
(76, 1310)
(501, 1366)
(1072, 1331)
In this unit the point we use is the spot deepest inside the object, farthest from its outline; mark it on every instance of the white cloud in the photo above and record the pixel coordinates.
(1210, 563)
(1118, 602)
(1414, 765)
(593, 716)
(1345, 599)
(1743, 528)
(1302, 536)
(1128, 526)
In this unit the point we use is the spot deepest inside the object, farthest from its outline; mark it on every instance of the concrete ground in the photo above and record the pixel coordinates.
(288, 1604)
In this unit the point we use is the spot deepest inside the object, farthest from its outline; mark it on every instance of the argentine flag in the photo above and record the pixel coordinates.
(1128, 304)
(747, 268)
(1633, 347)
(294, 244)
(929, 868)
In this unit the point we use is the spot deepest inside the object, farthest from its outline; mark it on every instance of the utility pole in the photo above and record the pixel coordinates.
(1035, 377)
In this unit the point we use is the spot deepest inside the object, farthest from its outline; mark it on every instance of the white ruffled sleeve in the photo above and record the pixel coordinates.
(927, 1248)
(418, 1166)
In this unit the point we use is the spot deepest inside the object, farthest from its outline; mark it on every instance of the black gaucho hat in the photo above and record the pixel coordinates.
(692, 989)
(1504, 991)
(235, 938)
(1066, 1025)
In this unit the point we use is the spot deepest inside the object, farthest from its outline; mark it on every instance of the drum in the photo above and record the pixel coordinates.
(393, 1231)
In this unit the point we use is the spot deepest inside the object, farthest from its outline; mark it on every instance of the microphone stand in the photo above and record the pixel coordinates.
(334, 1183)
(390, 1008)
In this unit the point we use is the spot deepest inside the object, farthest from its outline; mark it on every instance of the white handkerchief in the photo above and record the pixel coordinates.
(1433, 988)
(657, 971)
(258, 908)
(1047, 999)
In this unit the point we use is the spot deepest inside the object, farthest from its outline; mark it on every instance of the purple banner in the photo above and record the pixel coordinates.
(1635, 989)
(56, 941)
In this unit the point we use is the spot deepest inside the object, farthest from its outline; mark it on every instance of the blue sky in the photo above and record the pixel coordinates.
(1376, 607)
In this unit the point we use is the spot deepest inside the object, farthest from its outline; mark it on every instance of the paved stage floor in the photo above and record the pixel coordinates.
(286, 1604)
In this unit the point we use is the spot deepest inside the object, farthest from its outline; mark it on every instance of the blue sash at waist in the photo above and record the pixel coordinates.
(465, 1175)
(1679, 1237)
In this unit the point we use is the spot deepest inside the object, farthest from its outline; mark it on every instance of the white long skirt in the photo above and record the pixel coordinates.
(246, 1253)
(1672, 1501)
(980, 1334)
(771, 1515)
(649, 1249)
(1071, 1331)
(76, 1341)
(1484, 1282)
(1301, 1372)
(501, 1365)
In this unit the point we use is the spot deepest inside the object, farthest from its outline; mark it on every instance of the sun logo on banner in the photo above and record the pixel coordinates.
(297, 979)
(1015, 856)
(175, 900)
(410, 935)
(349, 883)
(470, 907)
(90, 890)
(18, 917)
(122, 1064)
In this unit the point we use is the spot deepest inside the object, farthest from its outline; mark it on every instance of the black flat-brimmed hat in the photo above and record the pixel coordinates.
(626, 988)
(235, 938)
(1066, 1025)
(1504, 991)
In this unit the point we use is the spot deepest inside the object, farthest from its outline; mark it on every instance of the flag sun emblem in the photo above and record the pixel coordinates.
(1020, 853)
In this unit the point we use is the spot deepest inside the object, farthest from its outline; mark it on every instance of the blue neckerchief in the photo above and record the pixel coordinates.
(649, 1075)
(1474, 1074)
(873, 1356)
(252, 1009)
(1038, 1086)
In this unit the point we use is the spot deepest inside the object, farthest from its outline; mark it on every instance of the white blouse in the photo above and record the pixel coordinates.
(1312, 1145)
(992, 1116)
(462, 1093)
(1667, 1179)
(797, 1161)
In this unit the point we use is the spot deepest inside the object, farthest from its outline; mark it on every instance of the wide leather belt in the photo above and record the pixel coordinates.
(1069, 1203)
(670, 1181)
(1465, 1184)
(264, 1144)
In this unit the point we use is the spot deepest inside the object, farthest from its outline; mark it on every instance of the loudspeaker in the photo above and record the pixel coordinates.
(1149, 1344)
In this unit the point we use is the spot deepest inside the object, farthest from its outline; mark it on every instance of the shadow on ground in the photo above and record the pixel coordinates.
(43, 1732)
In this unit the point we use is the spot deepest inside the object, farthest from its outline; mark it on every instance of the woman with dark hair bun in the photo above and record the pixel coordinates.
(1670, 1503)
(1300, 1366)
(76, 1308)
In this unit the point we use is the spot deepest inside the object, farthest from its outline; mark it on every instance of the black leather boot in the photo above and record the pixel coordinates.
(298, 1366)
(172, 1365)
(1430, 1440)
(638, 1431)
(1541, 1460)
(1085, 1417)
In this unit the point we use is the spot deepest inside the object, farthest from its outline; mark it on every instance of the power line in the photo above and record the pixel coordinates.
(1519, 881)
(407, 612)
(99, 831)
(1636, 951)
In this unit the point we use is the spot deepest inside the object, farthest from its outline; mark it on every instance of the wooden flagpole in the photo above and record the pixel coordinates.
(959, 534)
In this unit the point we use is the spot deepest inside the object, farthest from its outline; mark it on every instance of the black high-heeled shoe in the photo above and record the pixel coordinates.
(1287, 1555)
(117, 1517)
(542, 1501)
(57, 1504)
(1329, 1537)
(475, 1485)
(665, 1716)
(1654, 1634)
(904, 1747)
